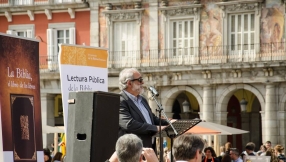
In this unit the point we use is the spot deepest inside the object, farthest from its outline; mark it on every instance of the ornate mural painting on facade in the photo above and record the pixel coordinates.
(103, 29)
(144, 32)
(210, 29)
(272, 26)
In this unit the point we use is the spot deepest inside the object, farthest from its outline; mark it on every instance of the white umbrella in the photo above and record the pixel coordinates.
(222, 129)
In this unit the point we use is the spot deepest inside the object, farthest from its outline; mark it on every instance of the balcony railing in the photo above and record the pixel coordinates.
(11, 3)
(185, 56)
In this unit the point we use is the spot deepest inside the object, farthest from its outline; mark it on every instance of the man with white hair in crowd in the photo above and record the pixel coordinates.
(129, 148)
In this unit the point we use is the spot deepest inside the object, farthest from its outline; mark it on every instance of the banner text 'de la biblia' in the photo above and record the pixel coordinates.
(82, 68)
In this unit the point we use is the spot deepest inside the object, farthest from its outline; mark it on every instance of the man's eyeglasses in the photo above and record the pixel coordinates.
(140, 80)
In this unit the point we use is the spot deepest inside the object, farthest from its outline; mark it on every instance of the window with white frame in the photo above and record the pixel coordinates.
(242, 32)
(62, 36)
(125, 39)
(22, 30)
(125, 42)
(67, 1)
(59, 33)
(23, 2)
(182, 37)
(181, 31)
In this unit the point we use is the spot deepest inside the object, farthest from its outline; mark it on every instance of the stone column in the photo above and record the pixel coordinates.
(208, 106)
(48, 118)
(271, 131)
(221, 118)
(94, 23)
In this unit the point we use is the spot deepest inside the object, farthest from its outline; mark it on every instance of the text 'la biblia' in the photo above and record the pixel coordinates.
(19, 73)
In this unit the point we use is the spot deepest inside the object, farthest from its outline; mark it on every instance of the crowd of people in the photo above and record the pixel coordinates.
(190, 148)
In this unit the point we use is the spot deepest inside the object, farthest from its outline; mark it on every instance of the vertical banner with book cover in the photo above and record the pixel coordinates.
(20, 127)
(82, 68)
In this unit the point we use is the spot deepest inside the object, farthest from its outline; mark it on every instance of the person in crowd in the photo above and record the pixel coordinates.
(210, 155)
(234, 155)
(249, 150)
(268, 144)
(47, 155)
(271, 152)
(129, 148)
(57, 157)
(135, 115)
(222, 150)
(262, 150)
(279, 153)
(188, 148)
(166, 155)
(226, 158)
(227, 147)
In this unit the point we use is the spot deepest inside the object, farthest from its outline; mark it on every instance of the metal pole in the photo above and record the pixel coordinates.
(160, 109)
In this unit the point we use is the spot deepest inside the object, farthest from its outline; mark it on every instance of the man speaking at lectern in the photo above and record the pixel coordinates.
(135, 115)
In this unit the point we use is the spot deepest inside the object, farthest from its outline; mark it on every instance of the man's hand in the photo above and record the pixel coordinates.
(162, 127)
(149, 155)
(173, 120)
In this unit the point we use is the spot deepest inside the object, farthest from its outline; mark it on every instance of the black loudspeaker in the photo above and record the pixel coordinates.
(93, 123)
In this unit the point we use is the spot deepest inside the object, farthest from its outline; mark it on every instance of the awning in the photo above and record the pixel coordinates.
(50, 129)
(223, 129)
(202, 131)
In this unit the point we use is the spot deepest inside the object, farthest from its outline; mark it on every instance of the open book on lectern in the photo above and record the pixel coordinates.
(181, 127)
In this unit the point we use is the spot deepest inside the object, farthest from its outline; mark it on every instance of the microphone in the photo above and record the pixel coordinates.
(153, 91)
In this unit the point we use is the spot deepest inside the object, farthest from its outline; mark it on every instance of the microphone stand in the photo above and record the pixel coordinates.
(160, 110)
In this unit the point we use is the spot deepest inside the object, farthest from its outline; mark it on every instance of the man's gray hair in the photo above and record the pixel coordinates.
(129, 148)
(235, 151)
(124, 76)
(185, 147)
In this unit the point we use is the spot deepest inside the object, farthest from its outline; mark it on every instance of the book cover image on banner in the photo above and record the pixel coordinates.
(20, 100)
(82, 68)
(22, 108)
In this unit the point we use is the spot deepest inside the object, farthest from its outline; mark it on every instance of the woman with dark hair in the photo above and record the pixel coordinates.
(210, 155)
(57, 157)
(47, 155)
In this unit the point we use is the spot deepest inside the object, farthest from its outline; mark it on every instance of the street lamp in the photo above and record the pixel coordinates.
(243, 103)
(186, 106)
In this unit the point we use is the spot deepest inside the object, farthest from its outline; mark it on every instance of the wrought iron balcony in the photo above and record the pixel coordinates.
(185, 56)
(15, 3)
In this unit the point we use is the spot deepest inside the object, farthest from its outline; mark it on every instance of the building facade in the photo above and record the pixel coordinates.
(210, 56)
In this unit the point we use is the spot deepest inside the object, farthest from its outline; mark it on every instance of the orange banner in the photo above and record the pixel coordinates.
(75, 55)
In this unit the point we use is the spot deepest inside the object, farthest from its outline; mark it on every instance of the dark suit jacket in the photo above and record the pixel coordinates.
(131, 120)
